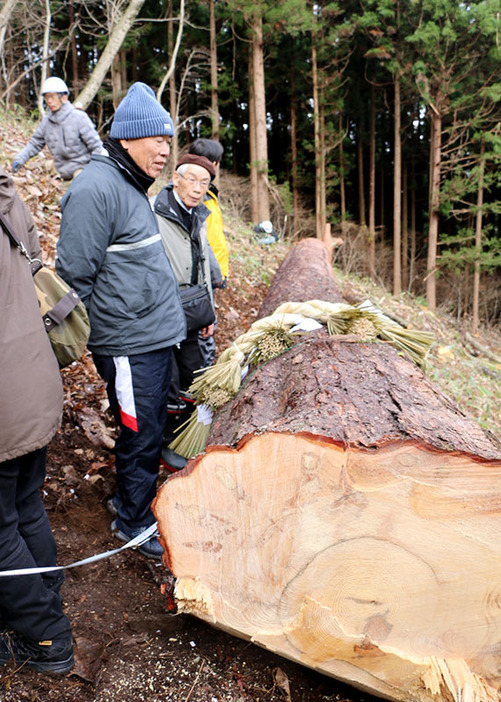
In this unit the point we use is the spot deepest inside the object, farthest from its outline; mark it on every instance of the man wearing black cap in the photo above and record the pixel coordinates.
(111, 253)
(182, 222)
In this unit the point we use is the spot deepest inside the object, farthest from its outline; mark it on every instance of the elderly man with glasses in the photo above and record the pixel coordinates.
(182, 224)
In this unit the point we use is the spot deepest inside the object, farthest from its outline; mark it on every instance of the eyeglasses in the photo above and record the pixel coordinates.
(204, 184)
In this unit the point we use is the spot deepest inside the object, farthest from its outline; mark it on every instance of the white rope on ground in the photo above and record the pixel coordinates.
(136, 541)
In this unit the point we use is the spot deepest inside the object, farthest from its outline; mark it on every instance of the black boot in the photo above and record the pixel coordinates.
(45, 656)
(172, 461)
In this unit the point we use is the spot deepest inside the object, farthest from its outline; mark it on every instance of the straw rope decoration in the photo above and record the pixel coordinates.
(272, 335)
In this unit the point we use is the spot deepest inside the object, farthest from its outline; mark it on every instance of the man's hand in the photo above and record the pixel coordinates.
(207, 331)
(16, 166)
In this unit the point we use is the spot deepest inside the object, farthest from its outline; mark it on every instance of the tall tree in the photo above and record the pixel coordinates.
(332, 47)
(478, 240)
(45, 52)
(213, 71)
(320, 204)
(5, 16)
(397, 190)
(382, 20)
(454, 45)
(372, 187)
(260, 164)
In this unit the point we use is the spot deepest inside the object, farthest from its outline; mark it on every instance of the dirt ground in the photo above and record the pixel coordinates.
(128, 647)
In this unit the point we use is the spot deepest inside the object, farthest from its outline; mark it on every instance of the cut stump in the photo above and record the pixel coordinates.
(346, 515)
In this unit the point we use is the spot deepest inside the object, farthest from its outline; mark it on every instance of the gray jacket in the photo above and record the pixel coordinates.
(70, 137)
(178, 241)
(111, 253)
(31, 392)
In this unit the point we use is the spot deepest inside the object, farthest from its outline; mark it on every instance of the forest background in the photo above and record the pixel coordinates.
(376, 121)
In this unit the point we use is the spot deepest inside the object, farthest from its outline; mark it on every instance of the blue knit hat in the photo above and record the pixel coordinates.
(141, 115)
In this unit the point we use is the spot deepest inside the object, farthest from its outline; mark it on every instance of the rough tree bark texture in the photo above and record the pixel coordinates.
(346, 516)
(304, 275)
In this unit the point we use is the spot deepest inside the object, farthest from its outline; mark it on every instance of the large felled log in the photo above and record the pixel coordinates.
(346, 515)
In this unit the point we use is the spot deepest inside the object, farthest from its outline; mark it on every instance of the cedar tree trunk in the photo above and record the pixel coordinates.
(345, 515)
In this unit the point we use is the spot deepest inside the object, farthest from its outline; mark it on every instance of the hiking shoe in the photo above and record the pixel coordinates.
(150, 549)
(112, 505)
(44, 656)
(172, 461)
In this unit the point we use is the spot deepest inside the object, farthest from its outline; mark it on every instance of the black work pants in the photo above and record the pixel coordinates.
(137, 388)
(29, 604)
(188, 358)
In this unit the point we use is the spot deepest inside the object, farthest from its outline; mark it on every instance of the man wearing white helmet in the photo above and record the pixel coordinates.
(67, 132)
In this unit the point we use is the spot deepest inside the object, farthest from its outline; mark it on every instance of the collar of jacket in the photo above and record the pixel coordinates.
(62, 113)
(7, 191)
(163, 207)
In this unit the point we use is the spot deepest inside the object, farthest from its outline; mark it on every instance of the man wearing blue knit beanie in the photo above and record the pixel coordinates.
(111, 253)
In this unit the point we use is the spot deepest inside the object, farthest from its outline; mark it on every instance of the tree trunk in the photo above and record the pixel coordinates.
(413, 229)
(214, 92)
(382, 195)
(361, 183)
(173, 50)
(345, 515)
(372, 188)
(171, 77)
(252, 142)
(435, 165)
(5, 15)
(294, 158)
(397, 193)
(261, 133)
(320, 205)
(405, 227)
(311, 279)
(73, 48)
(116, 81)
(342, 190)
(115, 41)
(45, 54)
(323, 156)
(478, 242)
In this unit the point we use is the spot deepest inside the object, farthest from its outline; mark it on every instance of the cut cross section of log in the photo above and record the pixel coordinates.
(346, 515)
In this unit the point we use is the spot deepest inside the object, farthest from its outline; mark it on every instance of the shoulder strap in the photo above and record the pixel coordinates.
(35, 263)
(198, 254)
(7, 229)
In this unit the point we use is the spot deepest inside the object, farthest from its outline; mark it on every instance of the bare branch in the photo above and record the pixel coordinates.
(172, 65)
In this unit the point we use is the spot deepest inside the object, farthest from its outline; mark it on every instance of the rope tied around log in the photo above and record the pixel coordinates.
(272, 335)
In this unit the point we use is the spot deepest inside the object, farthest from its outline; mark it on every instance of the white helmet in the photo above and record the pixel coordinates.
(54, 85)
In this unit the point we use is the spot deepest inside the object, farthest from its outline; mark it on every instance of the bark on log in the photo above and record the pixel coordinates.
(305, 274)
(346, 516)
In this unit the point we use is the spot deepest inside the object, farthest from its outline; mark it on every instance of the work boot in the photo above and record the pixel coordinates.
(55, 656)
(113, 504)
(172, 461)
(151, 548)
